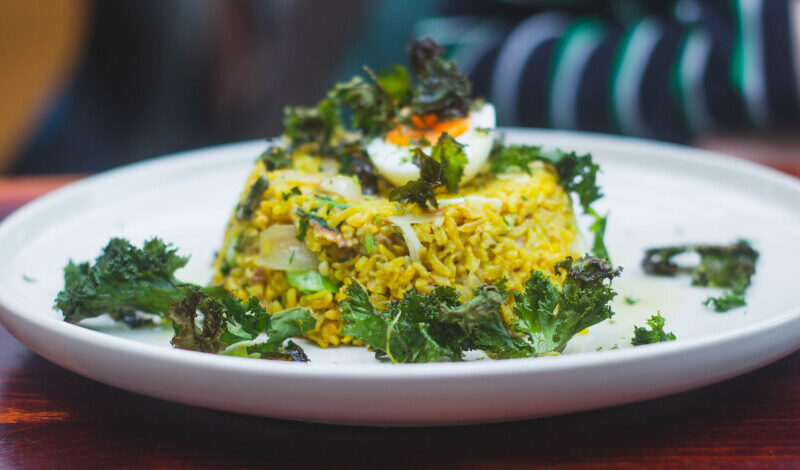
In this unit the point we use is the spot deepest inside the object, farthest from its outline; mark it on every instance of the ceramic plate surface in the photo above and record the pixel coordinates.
(657, 194)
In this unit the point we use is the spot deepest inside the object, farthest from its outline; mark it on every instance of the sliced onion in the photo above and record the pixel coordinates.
(329, 166)
(496, 203)
(412, 241)
(403, 222)
(299, 177)
(282, 251)
(343, 186)
(416, 219)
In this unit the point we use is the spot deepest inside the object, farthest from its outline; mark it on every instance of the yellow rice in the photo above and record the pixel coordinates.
(470, 244)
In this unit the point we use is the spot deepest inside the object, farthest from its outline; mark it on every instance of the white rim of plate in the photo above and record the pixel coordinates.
(711, 160)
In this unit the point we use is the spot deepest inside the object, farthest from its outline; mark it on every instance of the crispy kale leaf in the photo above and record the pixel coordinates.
(421, 190)
(353, 160)
(122, 278)
(125, 279)
(598, 228)
(394, 80)
(577, 173)
(719, 265)
(730, 266)
(440, 89)
(656, 333)
(728, 300)
(275, 158)
(228, 322)
(188, 335)
(431, 327)
(373, 107)
(307, 218)
(444, 167)
(504, 158)
(450, 154)
(435, 326)
(558, 316)
(316, 124)
(245, 209)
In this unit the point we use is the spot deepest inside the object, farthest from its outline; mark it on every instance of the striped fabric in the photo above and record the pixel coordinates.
(685, 68)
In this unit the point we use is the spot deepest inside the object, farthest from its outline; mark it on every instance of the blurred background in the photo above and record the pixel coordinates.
(89, 85)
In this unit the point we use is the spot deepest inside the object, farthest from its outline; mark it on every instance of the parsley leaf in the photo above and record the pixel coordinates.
(630, 300)
(656, 333)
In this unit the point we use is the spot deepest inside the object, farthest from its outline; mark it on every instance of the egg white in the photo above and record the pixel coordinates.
(395, 164)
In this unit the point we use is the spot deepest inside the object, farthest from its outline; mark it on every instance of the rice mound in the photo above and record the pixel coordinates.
(495, 228)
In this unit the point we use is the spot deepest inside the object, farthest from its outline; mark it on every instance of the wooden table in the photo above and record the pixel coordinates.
(52, 418)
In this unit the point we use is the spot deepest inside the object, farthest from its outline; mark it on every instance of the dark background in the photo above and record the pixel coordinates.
(152, 77)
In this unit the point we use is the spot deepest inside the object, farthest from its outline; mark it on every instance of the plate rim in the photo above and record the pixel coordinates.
(9, 306)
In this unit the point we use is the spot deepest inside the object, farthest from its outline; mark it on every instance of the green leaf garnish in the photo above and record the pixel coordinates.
(331, 202)
(729, 266)
(275, 158)
(309, 282)
(444, 167)
(306, 218)
(245, 209)
(577, 174)
(655, 334)
(126, 279)
(440, 89)
(582, 302)
(435, 326)
(369, 243)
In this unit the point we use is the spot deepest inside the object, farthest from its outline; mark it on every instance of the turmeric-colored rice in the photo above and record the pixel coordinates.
(504, 227)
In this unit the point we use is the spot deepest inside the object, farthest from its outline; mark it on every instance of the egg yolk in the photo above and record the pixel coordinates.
(427, 126)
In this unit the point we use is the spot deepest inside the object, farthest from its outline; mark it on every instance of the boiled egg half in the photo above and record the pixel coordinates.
(392, 154)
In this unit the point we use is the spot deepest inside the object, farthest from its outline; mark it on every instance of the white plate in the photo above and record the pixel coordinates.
(657, 193)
